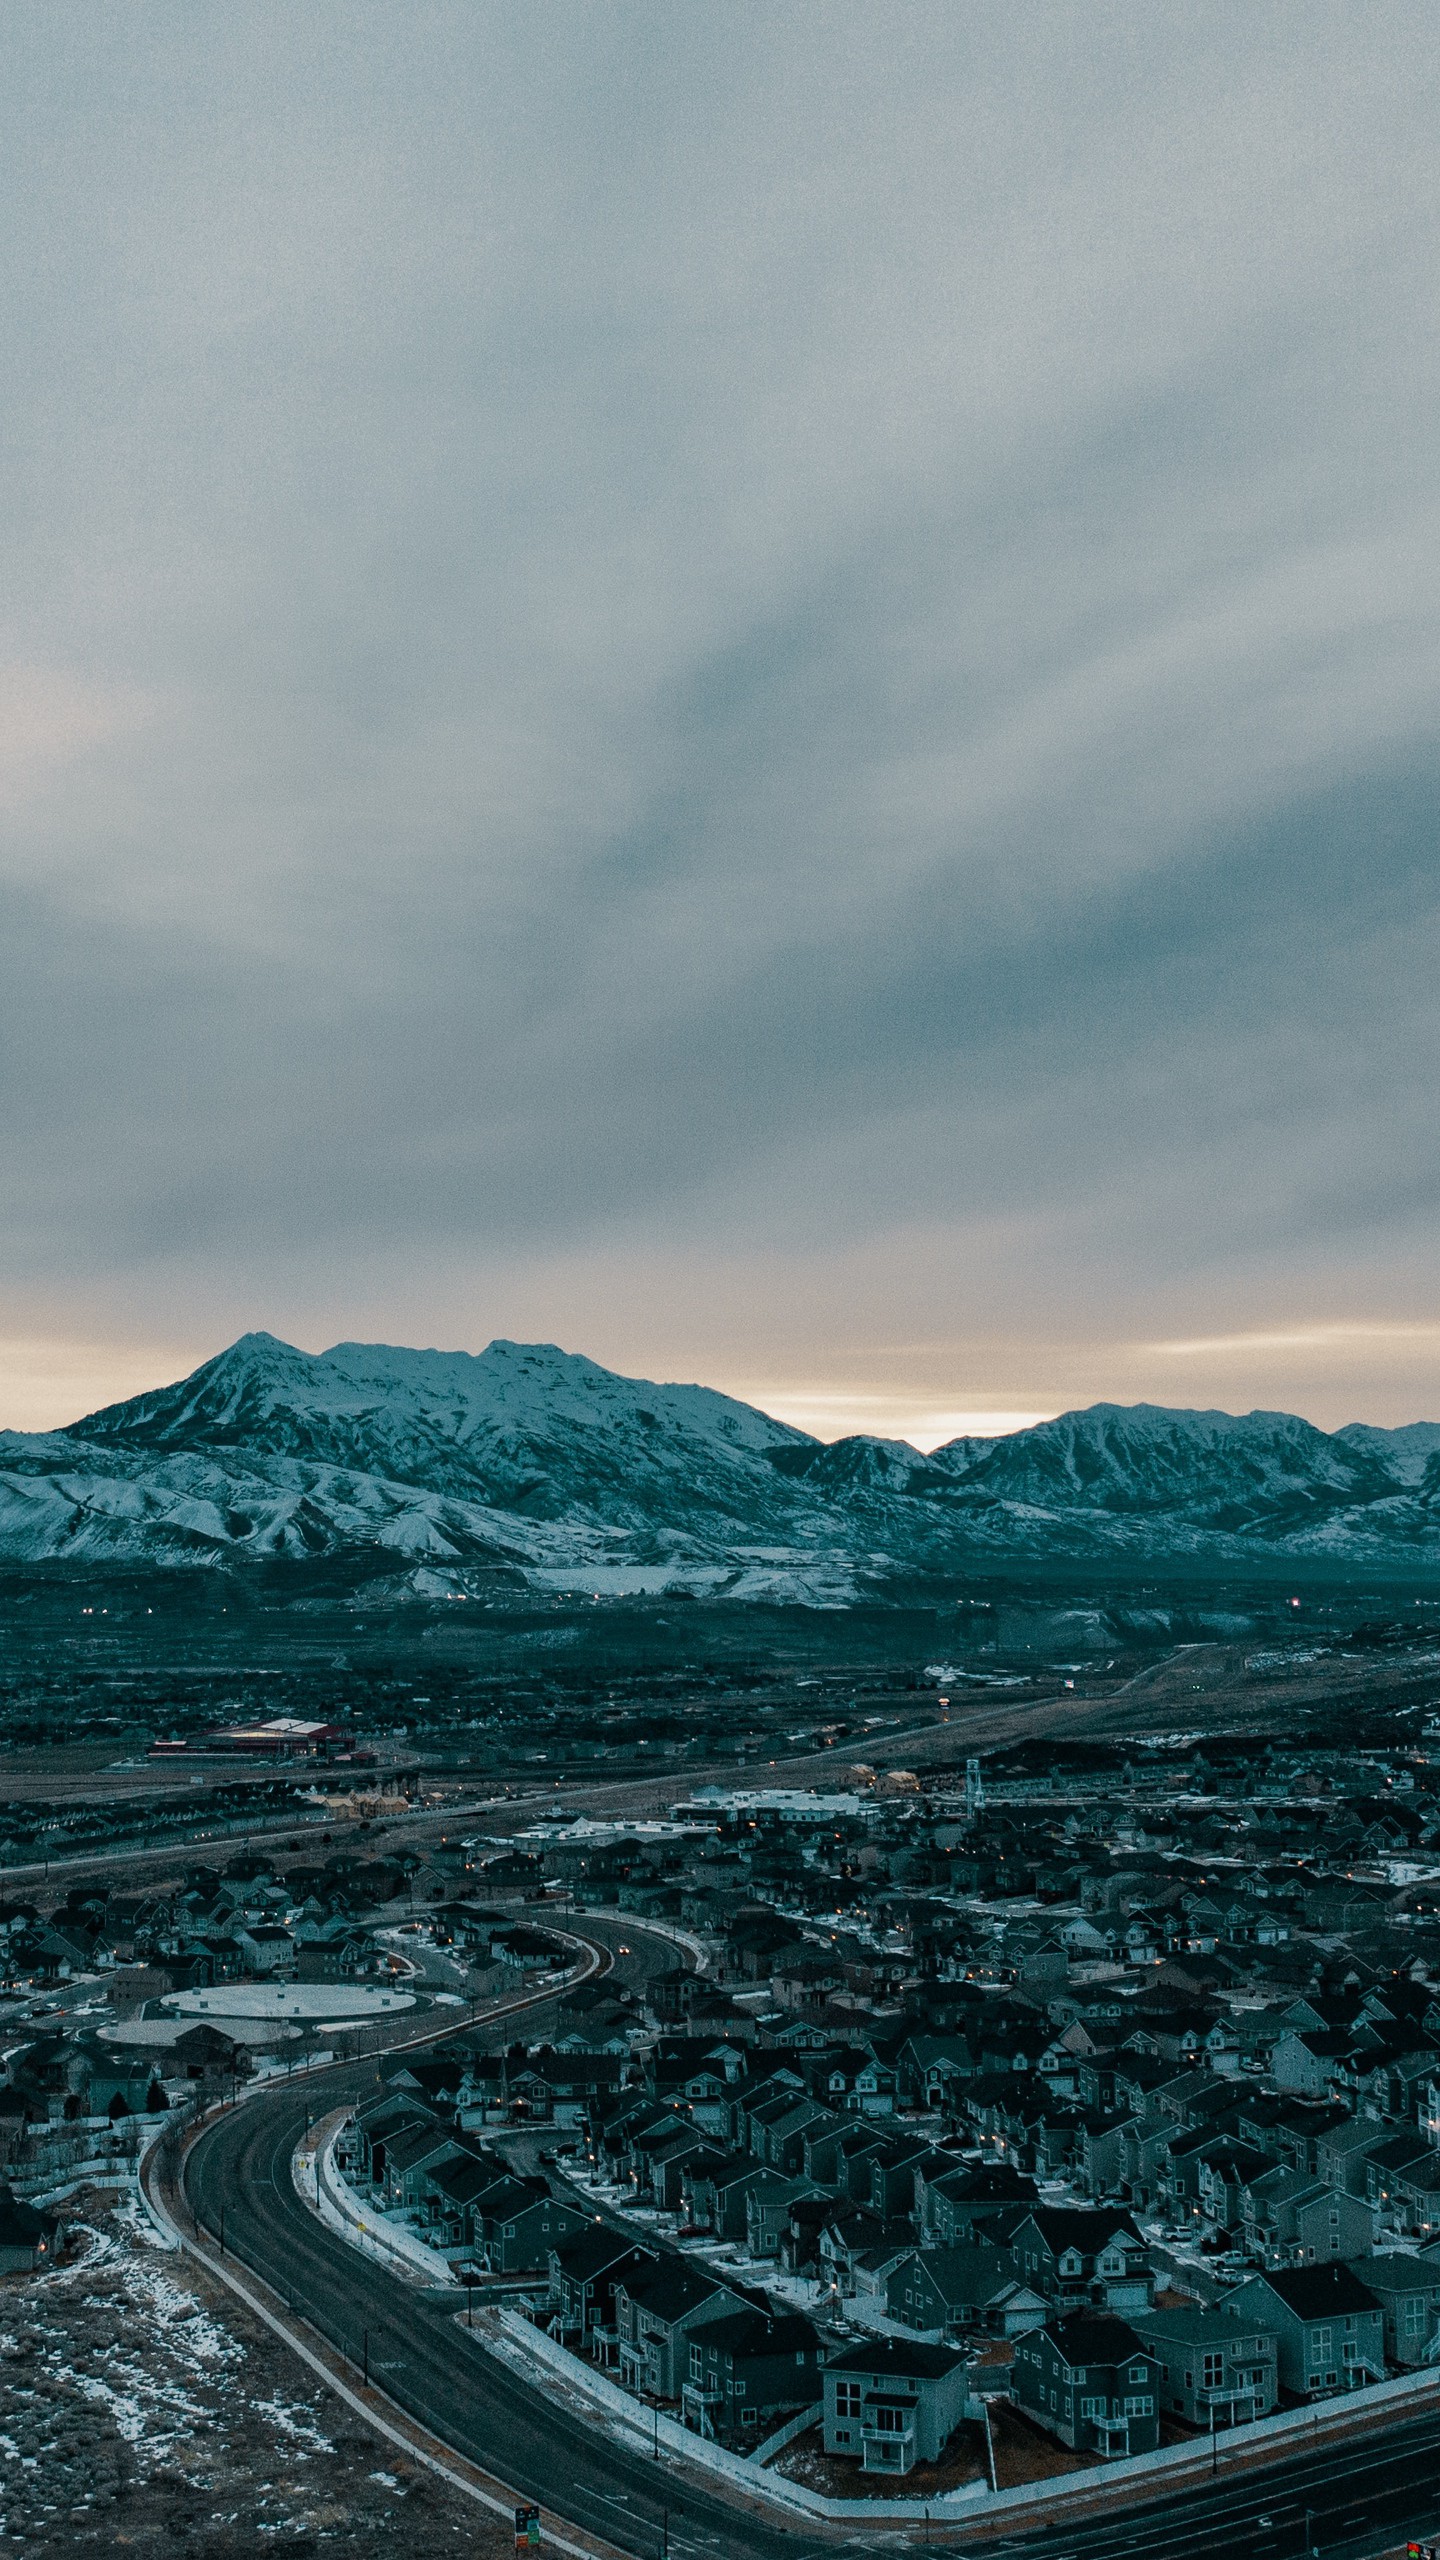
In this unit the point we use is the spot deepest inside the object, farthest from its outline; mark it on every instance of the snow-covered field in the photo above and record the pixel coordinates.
(140, 2405)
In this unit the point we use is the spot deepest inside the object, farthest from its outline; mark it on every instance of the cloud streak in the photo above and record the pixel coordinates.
(674, 644)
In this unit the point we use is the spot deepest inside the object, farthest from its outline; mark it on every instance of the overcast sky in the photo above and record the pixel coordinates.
(757, 689)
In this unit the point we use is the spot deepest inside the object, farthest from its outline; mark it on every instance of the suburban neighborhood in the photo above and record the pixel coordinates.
(1040, 2116)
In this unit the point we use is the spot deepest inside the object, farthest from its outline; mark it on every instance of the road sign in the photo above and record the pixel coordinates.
(527, 2528)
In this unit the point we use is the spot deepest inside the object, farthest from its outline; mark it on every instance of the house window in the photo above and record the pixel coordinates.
(1213, 2372)
(1094, 2407)
(1140, 2405)
(847, 2399)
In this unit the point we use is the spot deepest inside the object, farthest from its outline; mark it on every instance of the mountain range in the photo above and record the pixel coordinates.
(527, 1467)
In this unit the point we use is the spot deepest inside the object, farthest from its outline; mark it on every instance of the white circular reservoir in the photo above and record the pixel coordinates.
(292, 2004)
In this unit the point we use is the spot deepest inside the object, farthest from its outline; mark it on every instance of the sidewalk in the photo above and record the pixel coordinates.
(321, 2184)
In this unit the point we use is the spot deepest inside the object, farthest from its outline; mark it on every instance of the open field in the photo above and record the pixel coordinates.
(142, 2409)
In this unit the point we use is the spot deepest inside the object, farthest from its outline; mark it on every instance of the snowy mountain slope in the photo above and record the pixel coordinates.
(183, 1509)
(521, 1425)
(1407, 1452)
(526, 1463)
(1231, 1470)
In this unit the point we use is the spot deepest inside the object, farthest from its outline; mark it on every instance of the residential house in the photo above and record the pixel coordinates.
(1084, 2254)
(955, 2201)
(265, 1948)
(1090, 2379)
(658, 2308)
(1287, 2213)
(584, 2273)
(1406, 2284)
(1385, 2168)
(944, 2292)
(1215, 2371)
(747, 2368)
(1417, 2191)
(519, 2232)
(891, 2403)
(767, 2212)
(1328, 2326)
(28, 2238)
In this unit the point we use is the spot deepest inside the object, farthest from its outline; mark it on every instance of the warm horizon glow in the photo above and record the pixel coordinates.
(835, 1415)
(1314, 1337)
(1328, 1373)
(46, 1384)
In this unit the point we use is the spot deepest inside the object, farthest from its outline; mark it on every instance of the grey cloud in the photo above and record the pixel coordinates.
(748, 627)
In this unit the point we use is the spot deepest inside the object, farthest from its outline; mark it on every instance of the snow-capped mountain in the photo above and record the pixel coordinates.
(1407, 1452)
(529, 1466)
(520, 1425)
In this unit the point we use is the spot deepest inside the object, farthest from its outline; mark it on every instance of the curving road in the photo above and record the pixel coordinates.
(1348, 2502)
(423, 2360)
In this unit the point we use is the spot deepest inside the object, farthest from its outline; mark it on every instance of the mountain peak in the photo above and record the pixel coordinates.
(267, 1449)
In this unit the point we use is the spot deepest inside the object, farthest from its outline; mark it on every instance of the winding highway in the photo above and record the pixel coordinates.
(1347, 2501)
(423, 2359)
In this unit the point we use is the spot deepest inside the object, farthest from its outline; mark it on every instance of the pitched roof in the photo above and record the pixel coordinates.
(752, 2333)
(1094, 2337)
(1400, 2271)
(972, 2272)
(21, 2227)
(595, 2252)
(1084, 2227)
(1315, 2293)
(1196, 2324)
(669, 2288)
(898, 2360)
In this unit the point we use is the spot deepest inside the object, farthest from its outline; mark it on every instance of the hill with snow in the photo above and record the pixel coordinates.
(526, 1467)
